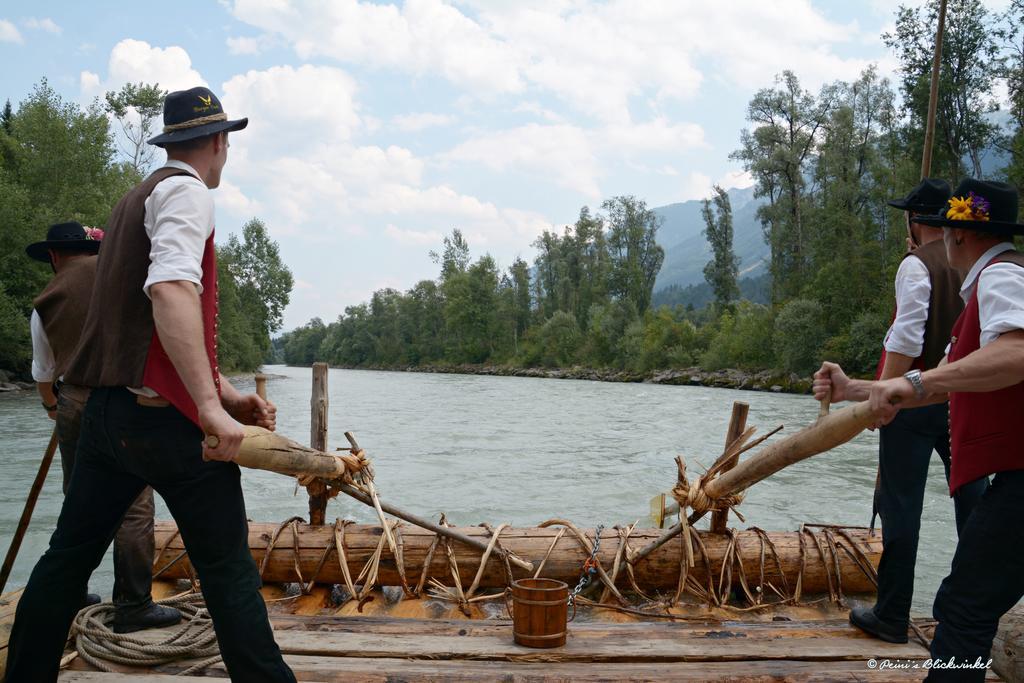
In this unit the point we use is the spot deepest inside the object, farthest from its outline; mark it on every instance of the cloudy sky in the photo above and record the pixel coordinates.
(376, 128)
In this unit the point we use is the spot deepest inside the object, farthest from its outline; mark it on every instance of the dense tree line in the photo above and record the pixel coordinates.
(60, 161)
(824, 163)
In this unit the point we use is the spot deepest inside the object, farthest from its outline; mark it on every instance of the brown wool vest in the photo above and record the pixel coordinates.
(945, 304)
(116, 337)
(62, 306)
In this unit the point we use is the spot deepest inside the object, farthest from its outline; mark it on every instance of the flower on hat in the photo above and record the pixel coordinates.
(95, 234)
(973, 207)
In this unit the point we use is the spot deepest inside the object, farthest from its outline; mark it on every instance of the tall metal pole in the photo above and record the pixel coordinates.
(929, 131)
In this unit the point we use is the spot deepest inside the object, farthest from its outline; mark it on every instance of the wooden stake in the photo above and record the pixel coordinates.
(26, 512)
(933, 98)
(824, 434)
(318, 403)
(737, 425)
(261, 386)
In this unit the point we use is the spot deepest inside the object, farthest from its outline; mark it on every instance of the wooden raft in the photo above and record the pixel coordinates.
(815, 553)
(334, 648)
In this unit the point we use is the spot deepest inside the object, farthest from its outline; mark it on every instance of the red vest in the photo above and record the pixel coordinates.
(983, 427)
(160, 374)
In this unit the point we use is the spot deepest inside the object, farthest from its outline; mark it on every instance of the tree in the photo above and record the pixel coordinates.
(969, 66)
(7, 117)
(1012, 139)
(136, 107)
(636, 257)
(721, 271)
(264, 282)
(777, 152)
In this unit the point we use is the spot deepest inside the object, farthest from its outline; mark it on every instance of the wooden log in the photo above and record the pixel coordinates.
(827, 432)
(265, 450)
(1008, 646)
(318, 403)
(659, 572)
(737, 423)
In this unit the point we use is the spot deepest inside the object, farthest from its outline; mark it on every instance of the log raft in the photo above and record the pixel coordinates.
(659, 571)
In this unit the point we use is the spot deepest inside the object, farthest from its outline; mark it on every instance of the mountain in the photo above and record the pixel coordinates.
(686, 248)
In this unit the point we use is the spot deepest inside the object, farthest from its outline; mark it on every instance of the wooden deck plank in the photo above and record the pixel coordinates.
(8, 605)
(337, 670)
(632, 642)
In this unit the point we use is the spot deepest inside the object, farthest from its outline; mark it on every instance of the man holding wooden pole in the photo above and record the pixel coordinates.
(149, 353)
(983, 378)
(927, 304)
(57, 321)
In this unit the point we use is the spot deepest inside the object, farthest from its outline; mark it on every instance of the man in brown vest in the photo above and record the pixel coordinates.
(927, 305)
(148, 351)
(57, 320)
(983, 382)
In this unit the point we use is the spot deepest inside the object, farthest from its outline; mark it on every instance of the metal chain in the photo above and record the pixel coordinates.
(589, 567)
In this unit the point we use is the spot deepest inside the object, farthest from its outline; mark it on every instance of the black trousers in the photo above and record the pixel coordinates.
(133, 543)
(904, 452)
(123, 447)
(985, 581)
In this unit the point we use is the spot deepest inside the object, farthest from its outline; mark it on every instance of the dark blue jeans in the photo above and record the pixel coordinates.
(904, 452)
(123, 447)
(985, 581)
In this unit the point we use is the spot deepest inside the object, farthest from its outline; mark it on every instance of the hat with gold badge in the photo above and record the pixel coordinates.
(195, 113)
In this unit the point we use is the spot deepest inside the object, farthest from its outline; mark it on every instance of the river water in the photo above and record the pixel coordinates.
(517, 450)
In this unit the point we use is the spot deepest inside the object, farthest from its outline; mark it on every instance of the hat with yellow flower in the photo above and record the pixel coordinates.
(984, 205)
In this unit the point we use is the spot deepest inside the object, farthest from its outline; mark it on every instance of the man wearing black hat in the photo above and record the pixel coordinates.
(149, 352)
(983, 379)
(927, 304)
(57, 319)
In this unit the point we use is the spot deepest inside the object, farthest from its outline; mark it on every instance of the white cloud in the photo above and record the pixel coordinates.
(132, 61)
(244, 46)
(287, 105)
(424, 36)
(596, 57)
(656, 135)
(738, 179)
(413, 237)
(696, 186)
(420, 121)
(9, 33)
(562, 153)
(45, 24)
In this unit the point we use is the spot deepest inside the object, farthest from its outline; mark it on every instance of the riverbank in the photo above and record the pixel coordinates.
(730, 378)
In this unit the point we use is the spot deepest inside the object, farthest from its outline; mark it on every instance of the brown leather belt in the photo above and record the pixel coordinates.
(151, 401)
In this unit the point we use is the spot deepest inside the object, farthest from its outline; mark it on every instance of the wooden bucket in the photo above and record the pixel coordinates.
(540, 614)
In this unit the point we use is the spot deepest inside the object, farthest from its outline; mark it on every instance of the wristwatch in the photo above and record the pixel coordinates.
(49, 409)
(914, 377)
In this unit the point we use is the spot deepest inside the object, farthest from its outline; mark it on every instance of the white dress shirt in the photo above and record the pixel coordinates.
(913, 294)
(44, 365)
(1000, 294)
(179, 220)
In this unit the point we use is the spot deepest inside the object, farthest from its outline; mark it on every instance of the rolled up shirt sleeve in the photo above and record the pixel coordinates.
(1000, 300)
(179, 220)
(44, 366)
(913, 294)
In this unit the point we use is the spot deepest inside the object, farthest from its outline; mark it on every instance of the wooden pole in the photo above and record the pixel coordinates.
(261, 386)
(824, 434)
(26, 512)
(929, 130)
(737, 425)
(318, 403)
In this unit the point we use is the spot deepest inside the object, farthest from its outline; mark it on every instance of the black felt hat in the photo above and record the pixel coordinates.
(928, 197)
(984, 205)
(71, 236)
(190, 114)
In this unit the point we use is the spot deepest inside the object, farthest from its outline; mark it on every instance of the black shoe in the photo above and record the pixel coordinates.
(154, 616)
(864, 618)
(90, 600)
